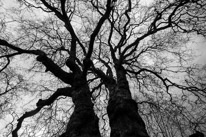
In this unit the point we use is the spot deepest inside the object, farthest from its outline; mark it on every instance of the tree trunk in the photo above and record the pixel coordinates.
(124, 118)
(83, 122)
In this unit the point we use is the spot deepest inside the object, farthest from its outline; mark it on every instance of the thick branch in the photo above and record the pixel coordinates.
(21, 119)
(106, 64)
(58, 14)
(112, 51)
(98, 27)
(60, 92)
(107, 80)
(47, 62)
(40, 104)
(70, 62)
(55, 69)
(87, 62)
(63, 7)
(20, 51)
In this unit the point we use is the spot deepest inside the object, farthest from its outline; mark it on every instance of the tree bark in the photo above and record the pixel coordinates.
(83, 122)
(122, 110)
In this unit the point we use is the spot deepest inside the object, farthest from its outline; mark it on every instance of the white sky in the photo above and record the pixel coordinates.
(198, 44)
(201, 50)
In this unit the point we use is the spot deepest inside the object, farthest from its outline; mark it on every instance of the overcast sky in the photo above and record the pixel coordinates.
(198, 44)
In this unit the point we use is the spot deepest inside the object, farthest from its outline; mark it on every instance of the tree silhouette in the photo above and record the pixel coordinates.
(197, 134)
(102, 68)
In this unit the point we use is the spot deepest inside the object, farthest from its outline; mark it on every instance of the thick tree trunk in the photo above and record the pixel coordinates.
(83, 122)
(124, 118)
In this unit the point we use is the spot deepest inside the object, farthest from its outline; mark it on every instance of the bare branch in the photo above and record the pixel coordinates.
(67, 91)
(168, 83)
(66, 20)
(153, 29)
(40, 104)
(8, 62)
(47, 62)
(98, 27)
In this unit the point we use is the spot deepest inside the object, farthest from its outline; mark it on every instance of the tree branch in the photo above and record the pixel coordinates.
(168, 83)
(63, 17)
(67, 91)
(98, 27)
(55, 69)
(153, 28)
(21, 119)
(63, 8)
(107, 80)
(47, 62)
(87, 62)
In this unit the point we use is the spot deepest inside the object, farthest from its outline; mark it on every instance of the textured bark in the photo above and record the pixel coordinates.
(83, 122)
(124, 118)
